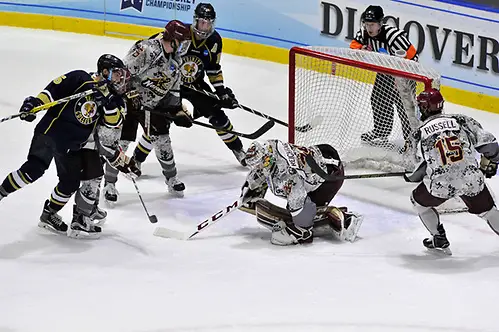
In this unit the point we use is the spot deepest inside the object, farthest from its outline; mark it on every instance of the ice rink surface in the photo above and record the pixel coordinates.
(229, 278)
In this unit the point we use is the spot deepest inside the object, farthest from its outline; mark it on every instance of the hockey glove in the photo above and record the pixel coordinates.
(227, 98)
(488, 167)
(252, 195)
(28, 105)
(109, 102)
(124, 164)
(181, 117)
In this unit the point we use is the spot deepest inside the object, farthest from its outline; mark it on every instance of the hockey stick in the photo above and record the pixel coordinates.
(319, 171)
(252, 136)
(152, 218)
(303, 129)
(168, 233)
(51, 104)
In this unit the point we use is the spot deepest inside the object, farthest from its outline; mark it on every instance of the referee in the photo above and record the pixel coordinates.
(378, 37)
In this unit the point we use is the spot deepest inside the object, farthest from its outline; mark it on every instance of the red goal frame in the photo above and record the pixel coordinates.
(335, 59)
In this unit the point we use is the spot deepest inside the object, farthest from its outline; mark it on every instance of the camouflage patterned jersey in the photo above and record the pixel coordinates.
(154, 72)
(286, 172)
(446, 155)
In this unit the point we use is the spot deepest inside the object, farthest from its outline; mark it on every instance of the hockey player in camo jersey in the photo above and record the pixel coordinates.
(203, 60)
(282, 168)
(155, 74)
(447, 167)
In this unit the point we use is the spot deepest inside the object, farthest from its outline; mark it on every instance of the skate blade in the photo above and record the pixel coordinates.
(99, 222)
(82, 235)
(50, 228)
(174, 193)
(440, 251)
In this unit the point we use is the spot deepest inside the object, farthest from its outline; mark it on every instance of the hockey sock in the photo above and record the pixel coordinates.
(86, 196)
(58, 200)
(143, 148)
(492, 217)
(428, 215)
(15, 181)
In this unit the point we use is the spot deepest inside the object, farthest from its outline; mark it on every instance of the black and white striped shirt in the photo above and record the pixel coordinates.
(390, 38)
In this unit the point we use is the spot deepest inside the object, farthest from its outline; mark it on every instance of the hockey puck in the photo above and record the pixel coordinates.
(153, 219)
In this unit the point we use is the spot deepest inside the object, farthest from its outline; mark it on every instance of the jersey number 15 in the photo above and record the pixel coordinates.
(449, 149)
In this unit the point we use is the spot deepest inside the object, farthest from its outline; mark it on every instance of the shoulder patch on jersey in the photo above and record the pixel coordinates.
(190, 69)
(85, 111)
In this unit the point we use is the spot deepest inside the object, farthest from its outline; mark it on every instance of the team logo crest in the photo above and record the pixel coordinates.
(85, 111)
(191, 68)
(158, 85)
(135, 4)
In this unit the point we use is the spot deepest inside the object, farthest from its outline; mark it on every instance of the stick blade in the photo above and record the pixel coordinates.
(153, 219)
(170, 233)
(262, 130)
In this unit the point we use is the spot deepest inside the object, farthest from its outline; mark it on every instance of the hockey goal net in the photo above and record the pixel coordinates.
(362, 103)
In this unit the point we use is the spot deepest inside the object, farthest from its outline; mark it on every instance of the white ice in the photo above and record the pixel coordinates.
(229, 278)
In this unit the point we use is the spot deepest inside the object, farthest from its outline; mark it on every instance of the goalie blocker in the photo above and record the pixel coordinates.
(282, 167)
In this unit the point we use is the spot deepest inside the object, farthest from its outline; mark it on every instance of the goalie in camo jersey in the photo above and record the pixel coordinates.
(446, 165)
(282, 167)
(203, 58)
(378, 37)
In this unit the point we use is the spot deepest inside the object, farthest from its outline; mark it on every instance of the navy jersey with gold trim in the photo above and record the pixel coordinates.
(71, 124)
(202, 58)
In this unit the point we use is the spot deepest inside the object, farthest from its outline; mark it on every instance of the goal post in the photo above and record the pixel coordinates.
(365, 100)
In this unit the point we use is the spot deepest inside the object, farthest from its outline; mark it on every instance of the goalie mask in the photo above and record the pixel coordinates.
(430, 102)
(259, 156)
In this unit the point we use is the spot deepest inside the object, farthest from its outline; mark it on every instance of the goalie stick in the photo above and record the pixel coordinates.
(319, 171)
(303, 129)
(168, 233)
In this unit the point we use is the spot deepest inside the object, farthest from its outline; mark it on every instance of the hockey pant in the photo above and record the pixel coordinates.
(159, 141)
(42, 150)
(482, 205)
(384, 97)
(87, 196)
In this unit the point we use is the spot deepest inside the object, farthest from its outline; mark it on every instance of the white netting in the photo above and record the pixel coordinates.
(365, 115)
(352, 104)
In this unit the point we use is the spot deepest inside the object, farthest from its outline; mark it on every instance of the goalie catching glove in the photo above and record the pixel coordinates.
(488, 167)
(124, 164)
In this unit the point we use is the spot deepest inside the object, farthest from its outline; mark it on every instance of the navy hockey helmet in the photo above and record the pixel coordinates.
(204, 20)
(430, 102)
(117, 74)
(373, 14)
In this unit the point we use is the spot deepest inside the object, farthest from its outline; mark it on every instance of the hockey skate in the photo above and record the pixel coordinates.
(438, 243)
(240, 156)
(373, 139)
(52, 221)
(290, 235)
(175, 187)
(98, 215)
(110, 193)
(83, 227)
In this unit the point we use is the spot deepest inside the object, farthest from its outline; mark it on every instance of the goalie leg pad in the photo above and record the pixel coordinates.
(291, 234)
(271, 216)
(343, 224)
